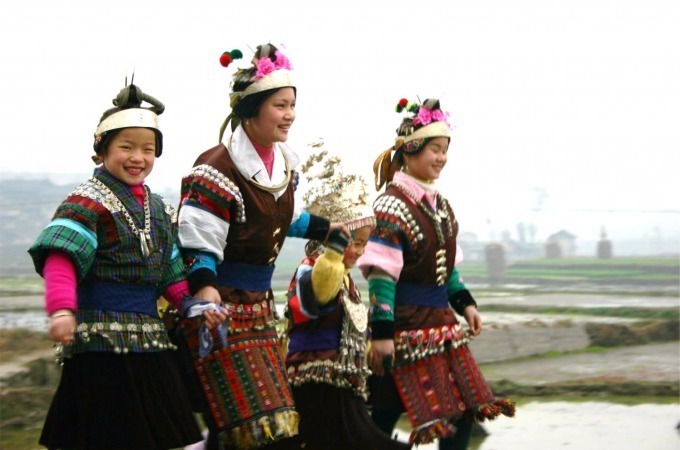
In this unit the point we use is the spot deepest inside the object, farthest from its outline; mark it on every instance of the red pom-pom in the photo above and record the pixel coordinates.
(225, 59)
(403, 102)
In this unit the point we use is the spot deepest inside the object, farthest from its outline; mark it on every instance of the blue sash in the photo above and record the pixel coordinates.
(249, 277)
(122, 297)
(418, 294)
(307, 340)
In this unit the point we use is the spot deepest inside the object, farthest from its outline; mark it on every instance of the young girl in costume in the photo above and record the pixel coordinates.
(107, 256)
(419, 351)
(237, 207)
(327, 322)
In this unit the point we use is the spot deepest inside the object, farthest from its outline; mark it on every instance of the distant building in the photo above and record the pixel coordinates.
(473, 250)
(604, 246)
(560, 244)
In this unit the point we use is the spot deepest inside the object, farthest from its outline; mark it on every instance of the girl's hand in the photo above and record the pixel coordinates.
(474, 320)
(339, 226)
(62, 326)
(380, 348)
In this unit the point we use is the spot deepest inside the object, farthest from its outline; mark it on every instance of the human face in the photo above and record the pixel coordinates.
(357, 247)
(274, 118)
(428, 163)
(130, 155)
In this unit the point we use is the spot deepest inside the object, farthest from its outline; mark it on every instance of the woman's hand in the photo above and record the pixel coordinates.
(474, 320)
(213, 318)
(209, 294)
(62, 326)
(380, 348)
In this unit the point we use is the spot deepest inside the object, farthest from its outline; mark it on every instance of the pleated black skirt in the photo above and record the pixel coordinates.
(106, 401)
(333, 418)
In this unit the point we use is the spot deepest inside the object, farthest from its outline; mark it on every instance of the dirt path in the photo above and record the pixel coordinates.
(643, 363)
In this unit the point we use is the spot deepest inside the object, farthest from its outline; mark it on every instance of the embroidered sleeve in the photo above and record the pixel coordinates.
(174, 270)
(459, 295)
(309, 226)
(74, 231)
(209, 203)
(303, 304)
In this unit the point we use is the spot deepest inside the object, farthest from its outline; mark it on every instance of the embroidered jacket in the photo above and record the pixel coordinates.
(413, 248)
(118, 286)
(327, 342)
(231, 230)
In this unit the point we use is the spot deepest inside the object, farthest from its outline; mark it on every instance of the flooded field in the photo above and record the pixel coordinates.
(582, 426)
(545, 424)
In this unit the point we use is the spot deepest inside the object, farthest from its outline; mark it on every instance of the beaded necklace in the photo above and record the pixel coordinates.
(435, 217)
(144, 235)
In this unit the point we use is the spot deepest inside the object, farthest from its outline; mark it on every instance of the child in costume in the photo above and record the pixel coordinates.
(237, 207)
(107, 256)
(327, 321)
(414, 289)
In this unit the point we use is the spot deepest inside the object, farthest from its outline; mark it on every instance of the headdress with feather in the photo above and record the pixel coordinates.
(270, 69)
(425, 121)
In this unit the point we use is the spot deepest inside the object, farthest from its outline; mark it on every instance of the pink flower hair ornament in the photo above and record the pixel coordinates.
(422, 114)
(265, 65)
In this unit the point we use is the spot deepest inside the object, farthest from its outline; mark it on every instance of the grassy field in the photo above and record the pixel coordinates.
(648, 270)
(615, 271)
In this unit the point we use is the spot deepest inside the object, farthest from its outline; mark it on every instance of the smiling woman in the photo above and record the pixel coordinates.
(236, 209)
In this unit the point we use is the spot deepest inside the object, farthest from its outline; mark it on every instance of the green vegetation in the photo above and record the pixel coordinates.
(643, 268)
(17, 342)
(622, 311)
(21, 286)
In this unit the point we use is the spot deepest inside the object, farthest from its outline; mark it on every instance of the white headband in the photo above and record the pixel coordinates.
(133, 117)
(276, 79)
(433, 129)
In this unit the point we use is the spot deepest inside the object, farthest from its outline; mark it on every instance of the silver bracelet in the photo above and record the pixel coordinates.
(62, 315)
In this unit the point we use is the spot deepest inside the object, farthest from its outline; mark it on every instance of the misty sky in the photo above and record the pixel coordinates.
(566, 113)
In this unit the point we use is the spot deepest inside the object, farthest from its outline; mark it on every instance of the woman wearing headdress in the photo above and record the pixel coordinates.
(107, 256)
(419, 353)
(327, 321)
(236, 208)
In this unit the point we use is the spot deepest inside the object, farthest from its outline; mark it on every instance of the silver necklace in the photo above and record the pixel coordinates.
(435, 217)
(144, 235)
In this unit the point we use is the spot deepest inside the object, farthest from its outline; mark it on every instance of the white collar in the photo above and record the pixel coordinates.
(249, 163)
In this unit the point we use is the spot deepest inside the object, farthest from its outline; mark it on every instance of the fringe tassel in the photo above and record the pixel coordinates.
(492, 410)
(428, 432)
(256, 433)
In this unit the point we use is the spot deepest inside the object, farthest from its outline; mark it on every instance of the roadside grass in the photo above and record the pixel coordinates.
(621, 311)
(18, 341)
(583, 268)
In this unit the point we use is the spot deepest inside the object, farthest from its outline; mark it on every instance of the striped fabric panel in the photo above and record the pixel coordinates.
(207, 188)
(245, 380)
(438, 390)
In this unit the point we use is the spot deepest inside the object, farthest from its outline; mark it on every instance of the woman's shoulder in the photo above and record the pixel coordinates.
(217, 158)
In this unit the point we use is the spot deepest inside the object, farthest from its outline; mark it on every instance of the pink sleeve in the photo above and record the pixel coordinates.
(459, 255)
(176, 292)
(389, 259)
(60, 282)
